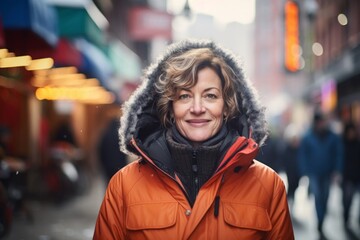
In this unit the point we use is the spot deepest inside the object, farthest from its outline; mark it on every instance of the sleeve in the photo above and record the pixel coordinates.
(280, 215)
(110, 221)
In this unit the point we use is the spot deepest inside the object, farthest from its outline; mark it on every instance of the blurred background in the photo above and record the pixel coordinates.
(66, 66)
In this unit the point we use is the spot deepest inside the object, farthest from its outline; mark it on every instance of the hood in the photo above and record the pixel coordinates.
(140, 119)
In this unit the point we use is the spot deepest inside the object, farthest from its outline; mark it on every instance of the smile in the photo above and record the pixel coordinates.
(198, 122)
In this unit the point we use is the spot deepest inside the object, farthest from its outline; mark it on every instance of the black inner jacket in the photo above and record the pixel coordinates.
(194, 165)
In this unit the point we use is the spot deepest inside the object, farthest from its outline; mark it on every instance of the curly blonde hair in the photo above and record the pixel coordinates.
(181, 71)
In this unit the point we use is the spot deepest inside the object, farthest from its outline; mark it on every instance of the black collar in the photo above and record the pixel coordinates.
(177, 137)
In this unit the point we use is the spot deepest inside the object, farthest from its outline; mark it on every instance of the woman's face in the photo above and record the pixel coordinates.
(199, 111)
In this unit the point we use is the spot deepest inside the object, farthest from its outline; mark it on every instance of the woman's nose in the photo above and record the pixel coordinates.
(197, 106)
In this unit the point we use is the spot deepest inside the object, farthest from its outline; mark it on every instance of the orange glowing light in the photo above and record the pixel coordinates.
(291, 41)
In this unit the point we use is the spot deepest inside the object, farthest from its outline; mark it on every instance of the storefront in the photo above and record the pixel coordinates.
(83, 82)
(30, 33)
(343, 82)
(349, 99)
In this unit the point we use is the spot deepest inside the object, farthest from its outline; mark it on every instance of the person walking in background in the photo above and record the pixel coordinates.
(351, 173)
(110, 156)
(288, 155)
(196, 125)
(269, 153)
(64, 133)
(13, 175)
(320, 158)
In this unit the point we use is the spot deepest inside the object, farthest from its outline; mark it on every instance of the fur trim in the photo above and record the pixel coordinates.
(144, 94)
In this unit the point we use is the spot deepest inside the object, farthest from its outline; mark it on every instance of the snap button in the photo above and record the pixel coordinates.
(188, 212)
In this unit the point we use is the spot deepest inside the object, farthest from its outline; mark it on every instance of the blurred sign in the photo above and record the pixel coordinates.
(146, 24)
(328, 96)
(291, 38)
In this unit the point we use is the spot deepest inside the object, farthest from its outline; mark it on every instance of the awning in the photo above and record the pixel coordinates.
(30, 26)
(94, 62)
(126, 64)
(66, 54)
(80, 19)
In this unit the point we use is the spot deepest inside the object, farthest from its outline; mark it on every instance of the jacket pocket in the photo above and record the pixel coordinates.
(247, 216)
(151, 215)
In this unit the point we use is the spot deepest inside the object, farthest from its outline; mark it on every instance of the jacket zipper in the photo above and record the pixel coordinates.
(195, 170)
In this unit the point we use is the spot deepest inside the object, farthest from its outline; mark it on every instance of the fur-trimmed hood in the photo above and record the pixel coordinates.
(140, 114)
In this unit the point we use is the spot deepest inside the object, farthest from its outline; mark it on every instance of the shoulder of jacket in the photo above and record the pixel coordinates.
(266, 176)
(129, 175)
(260, 167)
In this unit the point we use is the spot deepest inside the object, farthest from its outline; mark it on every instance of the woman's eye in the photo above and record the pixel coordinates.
(184, 96)
(211, 96)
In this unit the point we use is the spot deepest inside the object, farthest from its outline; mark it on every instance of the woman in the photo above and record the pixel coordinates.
(196, 125)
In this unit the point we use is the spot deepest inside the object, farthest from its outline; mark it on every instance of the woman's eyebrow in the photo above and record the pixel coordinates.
(211, 88)
(205, 90)
(184, 89)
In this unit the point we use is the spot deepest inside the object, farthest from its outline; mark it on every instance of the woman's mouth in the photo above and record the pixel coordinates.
(197, 122)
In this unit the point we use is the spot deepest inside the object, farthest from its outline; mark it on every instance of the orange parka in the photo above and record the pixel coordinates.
(243, 199)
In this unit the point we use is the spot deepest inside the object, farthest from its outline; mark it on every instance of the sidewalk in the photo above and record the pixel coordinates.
(304, 215)
(74, 220)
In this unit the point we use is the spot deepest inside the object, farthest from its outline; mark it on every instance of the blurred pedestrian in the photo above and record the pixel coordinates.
(64, 133)
(269, 153)
(110, 156)
(66, 171)
(196, 125)
(288, 157)
(13, 170)
(321, 159)
(351, 173)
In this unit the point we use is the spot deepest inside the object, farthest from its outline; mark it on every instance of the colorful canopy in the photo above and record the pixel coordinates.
(34, 16)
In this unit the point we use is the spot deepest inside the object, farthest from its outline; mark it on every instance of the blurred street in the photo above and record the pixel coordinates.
(67, 67)
(75, 220)
(304, 216)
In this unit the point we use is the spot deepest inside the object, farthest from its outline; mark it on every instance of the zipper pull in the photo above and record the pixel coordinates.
(194, 168)
(194, 165)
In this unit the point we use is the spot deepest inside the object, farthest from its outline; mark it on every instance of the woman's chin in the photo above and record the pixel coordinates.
(198, 139)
